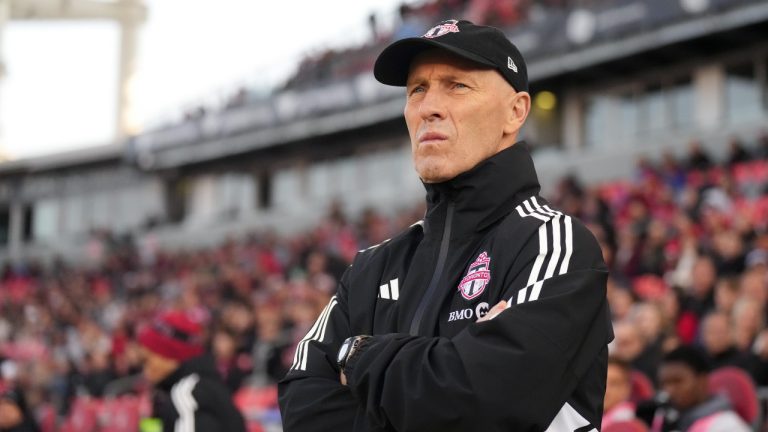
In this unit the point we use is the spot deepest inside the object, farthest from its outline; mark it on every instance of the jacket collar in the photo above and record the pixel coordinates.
(485, 193)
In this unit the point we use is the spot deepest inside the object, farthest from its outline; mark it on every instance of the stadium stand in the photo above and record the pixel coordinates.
(69, 331)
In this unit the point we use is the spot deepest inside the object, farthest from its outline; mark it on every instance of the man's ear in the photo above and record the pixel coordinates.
(520, 107)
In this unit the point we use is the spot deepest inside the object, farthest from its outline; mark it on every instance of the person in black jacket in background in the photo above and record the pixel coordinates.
(190, 394)
(488, 315)
(15, 415)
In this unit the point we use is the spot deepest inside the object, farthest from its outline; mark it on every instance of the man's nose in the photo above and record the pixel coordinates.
(432, 105)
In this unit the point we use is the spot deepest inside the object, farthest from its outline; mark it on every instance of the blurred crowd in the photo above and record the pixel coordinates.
(69, 332)
(414, 20)
(686, 240)
(325, 65)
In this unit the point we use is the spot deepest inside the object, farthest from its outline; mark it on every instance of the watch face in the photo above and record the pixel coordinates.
(343, 351)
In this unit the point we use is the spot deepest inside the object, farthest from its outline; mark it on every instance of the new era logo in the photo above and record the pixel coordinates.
(511, 64)
(390, 291)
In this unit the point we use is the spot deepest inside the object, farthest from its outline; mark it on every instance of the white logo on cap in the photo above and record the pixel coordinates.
(511, 64)
(441, 29)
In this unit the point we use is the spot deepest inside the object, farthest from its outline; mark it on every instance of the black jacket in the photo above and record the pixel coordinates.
(195, 399)
(539, 365)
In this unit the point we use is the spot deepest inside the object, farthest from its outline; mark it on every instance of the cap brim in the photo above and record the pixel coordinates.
(394, 63)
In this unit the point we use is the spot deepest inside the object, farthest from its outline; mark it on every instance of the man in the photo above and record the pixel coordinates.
(617, 407)
(684, 374)
(190, 396)
(631, 347)
(719, 347)
(399, 348)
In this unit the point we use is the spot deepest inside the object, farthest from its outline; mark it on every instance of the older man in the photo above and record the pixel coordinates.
(488, 315)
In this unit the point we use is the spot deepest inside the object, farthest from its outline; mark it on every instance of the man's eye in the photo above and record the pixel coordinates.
(417, 89)
(459, 85)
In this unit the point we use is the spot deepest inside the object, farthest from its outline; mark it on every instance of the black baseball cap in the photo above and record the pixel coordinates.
(482, 44)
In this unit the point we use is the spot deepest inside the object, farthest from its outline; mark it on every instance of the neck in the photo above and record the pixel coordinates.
(485, 193)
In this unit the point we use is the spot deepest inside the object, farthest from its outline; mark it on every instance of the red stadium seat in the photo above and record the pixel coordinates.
(119, 414)
(741, 174)
(738, 386)
(627, 426)
(760, 170)
(642, 387)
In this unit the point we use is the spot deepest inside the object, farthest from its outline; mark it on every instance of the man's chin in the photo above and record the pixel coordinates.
(435, 178)
(433, 170)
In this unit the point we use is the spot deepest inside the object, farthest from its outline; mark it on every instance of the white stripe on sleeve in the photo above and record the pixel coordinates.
(185, 404)
(318, 328)
(568, 245)
(318, 337)
(562, 232)
(567, 420)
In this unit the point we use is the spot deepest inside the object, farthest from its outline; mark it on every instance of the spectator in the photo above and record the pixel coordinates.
(649, 319)
(617, 406)
(672, 172)
(233, 366)
(736, 152)
(762, 145)
(701, 296)
(620, 299)
(698, 159)
(726, 294)
(717, 339)
(410, 23)
(630, 347)
(683, 375)
(190, 393)
(748, 319)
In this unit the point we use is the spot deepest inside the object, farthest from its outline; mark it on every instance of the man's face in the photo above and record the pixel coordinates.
(629, 343)
(716, 334)
(157, 367)
(458, 113)
(686, 389)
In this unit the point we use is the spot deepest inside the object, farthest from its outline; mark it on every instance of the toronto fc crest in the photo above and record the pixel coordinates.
(445, 27)
(477, 278)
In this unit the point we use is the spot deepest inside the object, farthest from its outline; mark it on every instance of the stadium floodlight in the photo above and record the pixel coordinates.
(129, 14)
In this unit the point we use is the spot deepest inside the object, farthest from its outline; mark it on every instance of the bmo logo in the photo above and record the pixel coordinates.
(468, 313)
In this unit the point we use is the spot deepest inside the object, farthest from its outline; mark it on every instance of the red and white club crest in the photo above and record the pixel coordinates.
(477, 278)
(443, 28)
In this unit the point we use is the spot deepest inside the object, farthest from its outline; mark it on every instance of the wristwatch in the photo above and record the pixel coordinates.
(348, 347)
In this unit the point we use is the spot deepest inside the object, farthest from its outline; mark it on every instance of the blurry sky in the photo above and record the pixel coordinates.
(60, 89)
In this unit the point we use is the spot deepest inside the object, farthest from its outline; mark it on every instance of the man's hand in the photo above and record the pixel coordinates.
(497, 309)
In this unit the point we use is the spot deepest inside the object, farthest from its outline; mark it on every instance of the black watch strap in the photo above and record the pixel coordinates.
(348, 347)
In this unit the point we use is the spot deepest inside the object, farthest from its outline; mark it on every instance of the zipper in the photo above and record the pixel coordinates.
(437, 275)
